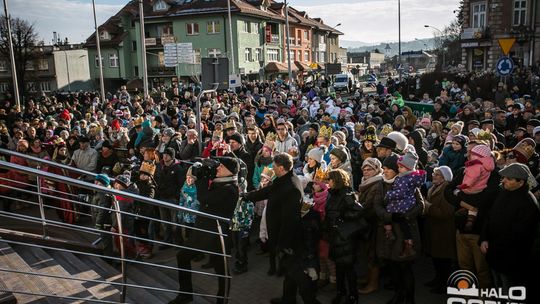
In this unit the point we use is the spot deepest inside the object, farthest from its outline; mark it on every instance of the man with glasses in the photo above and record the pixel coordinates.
(285, 143)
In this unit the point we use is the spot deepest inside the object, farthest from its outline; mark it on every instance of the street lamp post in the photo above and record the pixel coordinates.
(12, 58)
(288, 43)
(399, 41)
(233, 69)
(143, 50)
(442, 35)
(101, 82)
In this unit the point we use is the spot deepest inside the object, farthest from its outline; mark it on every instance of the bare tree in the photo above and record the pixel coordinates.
(25, 47)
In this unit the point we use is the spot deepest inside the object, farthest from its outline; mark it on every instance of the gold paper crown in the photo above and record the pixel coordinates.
(268, 173)
(138, 121)
(320, 175)
(386, 129)
(229, 125)
(359, 126)
(205, 111)
(325, 132)
(484, 135)
(148, 168)
(235, 109)
(271, 136)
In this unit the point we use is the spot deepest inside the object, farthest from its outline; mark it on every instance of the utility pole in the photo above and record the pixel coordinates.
(143, 50)
(399, 41)
(288, 44)
(100, 60)
(233, 67)
(12, 58)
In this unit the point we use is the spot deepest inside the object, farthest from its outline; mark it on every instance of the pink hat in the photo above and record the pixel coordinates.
(481, 150)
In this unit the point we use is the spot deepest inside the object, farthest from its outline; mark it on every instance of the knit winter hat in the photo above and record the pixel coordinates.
(103, 179)
(170, 151)
(408, 160)
(390, 162)
(124, 180)
(237, 137)
(169, 132)
(317, 153)
(524, 150)
(340, 154)
(372, 163)
(314, 126)
(446, 172)
(536, 130)
(481, 150)
(458, 126)
(230, 163)
(340, 136)
(461, 139)
(370, 134)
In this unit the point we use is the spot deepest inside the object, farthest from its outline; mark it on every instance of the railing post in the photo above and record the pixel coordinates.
(122, 252)
(225, 264)
(41, 208)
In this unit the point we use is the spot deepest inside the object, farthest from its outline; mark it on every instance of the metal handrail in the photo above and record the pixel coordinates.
(116, 209)
(47, 162)
(89, 186)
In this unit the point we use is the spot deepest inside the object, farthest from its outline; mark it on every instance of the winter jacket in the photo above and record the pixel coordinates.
(259, 167)
(401, 198)
(477, 173)
(85, 159)
(439, 228)
(168, 180)
(452, 159)
(285, 145)
(102, 216)
(510, 229)
(188, 199)
(188, 151)
(282, 211)
(341, 209)
(146, 189)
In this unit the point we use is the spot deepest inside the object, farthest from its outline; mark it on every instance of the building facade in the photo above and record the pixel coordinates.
(486, 21)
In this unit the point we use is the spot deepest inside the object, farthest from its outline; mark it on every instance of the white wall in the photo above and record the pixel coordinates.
(79, 71)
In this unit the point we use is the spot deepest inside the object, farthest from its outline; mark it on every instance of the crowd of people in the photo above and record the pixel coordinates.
(327, 184)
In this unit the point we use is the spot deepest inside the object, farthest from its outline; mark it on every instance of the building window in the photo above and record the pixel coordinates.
(520, 12)
(258, 55)
(3, 66)
(192, 28)
(43, 65)
(31, 86)
(113, 60)
(165, 30)
(479, 14)
(306, 56)
(306, 35)
(134, 46)
(197, 54)
(96, 60)
(136, 71)
(45, 86)
(273, 54)
(248, 55)
(4, 86)
(214, 53)
(247, 27)
(255, 28)
(213, 27)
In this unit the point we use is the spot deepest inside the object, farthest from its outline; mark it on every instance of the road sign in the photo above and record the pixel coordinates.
(185, 52)
(170, 55)
(505, 66)
(506, 44)
(215, 71)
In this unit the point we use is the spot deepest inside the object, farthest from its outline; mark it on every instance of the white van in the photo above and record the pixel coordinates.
(341, 83)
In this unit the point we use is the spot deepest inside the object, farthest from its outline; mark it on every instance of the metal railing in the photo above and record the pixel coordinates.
(41, 195)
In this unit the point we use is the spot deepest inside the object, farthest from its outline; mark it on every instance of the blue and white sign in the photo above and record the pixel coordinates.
(505, 66)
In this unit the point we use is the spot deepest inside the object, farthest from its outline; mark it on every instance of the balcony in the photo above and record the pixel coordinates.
(161, 71)
(158, 42)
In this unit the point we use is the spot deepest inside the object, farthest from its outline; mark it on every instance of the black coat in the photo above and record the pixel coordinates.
(341, 207)
(510, 229)
(146, 189)
(219, 199)
(169, 180)
(283, 220)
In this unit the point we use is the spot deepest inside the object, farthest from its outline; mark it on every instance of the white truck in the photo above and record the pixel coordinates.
(341, 82)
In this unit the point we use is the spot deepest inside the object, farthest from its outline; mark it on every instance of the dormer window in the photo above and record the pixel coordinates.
(104, 35)
(160, 6)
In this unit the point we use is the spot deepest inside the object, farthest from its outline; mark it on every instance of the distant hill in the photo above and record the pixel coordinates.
(415, 45)
(354, 44)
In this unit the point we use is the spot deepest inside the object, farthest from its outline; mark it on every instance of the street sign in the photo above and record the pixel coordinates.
(170, 55)
(185, 52)
(505, 66)
(215, 71)
(506, 44)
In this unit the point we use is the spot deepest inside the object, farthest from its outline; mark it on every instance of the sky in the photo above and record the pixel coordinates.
(369, 21)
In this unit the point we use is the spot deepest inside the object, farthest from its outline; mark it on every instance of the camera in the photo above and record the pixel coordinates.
(205, 168)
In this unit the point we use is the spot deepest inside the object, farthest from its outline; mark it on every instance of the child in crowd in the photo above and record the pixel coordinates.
(188, 199)
(475, 179)
(402, 197)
